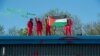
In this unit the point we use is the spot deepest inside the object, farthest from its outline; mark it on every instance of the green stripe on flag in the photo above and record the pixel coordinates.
(59, 24)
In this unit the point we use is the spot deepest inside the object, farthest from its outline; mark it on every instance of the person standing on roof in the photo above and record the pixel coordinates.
(68, 28)
(30, 27)
(38, 26)
(48, 31)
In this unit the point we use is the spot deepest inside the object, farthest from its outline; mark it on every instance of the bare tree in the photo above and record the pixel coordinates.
(77, 26)
(13, 31)
(92, 29)
(2, 30)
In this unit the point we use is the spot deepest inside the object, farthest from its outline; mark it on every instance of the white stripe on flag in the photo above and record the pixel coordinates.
(61, 20)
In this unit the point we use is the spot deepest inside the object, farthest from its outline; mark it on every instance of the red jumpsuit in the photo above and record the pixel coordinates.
(29, 28)
(39, 27)
(68, 27)
(48, 32)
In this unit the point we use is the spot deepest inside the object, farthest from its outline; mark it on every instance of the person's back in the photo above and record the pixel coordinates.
(29, 27)
(68, 27)
(38, 26)
(30, 24)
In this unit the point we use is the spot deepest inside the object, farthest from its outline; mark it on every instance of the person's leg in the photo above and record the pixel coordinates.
(40, 32)
(70, 30)
(37, 33)
(67, 31)
(49, 32)
(29, 32)
(46, 32)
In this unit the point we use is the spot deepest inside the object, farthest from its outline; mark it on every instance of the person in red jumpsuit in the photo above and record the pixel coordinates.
(38, 26)
(68, 27)
(48, 32)
(29, 27)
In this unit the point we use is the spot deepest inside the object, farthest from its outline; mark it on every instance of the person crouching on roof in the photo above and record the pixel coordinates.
(68, 28)
(29, 27)
(48, 31)
(38, 26)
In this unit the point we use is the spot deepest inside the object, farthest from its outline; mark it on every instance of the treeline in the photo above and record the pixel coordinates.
(77, 28)
(92, 28)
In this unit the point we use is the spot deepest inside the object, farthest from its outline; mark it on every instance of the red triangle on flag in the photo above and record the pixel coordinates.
(51, 20)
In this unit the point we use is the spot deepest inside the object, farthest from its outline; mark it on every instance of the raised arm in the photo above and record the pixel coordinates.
(45, 20)
(36, 19)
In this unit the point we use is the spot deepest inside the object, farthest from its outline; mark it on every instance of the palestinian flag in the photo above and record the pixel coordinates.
(57, 20)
